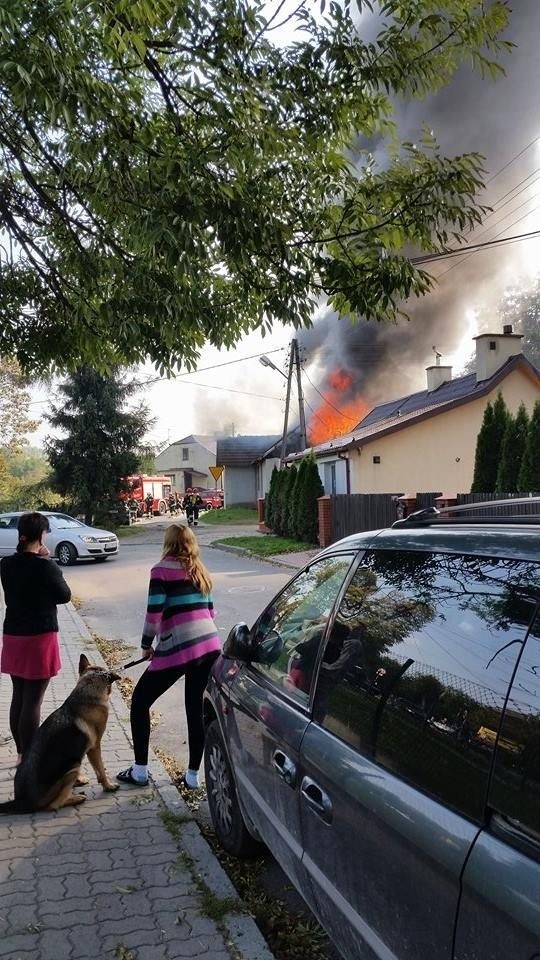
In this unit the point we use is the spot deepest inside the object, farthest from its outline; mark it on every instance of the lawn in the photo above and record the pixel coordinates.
(228, 515)
(266, 546)
(133, 528)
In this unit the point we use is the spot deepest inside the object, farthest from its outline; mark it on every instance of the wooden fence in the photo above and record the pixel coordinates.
(353, 513)
(356, 512)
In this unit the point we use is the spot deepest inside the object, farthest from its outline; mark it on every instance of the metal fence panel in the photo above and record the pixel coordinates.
(356, 512)
(520, 510)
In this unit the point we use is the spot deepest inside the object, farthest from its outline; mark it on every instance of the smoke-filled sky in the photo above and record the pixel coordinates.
(498, 120)
(471, 114)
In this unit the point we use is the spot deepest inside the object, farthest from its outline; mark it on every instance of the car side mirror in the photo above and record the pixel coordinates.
(239, 644)
(269, 649)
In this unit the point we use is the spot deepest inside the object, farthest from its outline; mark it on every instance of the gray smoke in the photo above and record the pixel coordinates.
(471, 114)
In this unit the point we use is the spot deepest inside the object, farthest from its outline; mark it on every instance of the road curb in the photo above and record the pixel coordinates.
(240, 552)
(240, 927)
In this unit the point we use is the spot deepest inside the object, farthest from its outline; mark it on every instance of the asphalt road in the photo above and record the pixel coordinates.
(112, 598)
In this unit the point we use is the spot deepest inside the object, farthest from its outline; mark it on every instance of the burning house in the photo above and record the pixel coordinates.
(426, 440)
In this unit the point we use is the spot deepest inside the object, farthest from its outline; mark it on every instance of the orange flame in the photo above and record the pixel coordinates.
(334, 417)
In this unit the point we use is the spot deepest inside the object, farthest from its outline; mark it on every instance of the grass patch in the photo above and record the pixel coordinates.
(266, 546)
(130, 531)
(217, 908)
(228, 515)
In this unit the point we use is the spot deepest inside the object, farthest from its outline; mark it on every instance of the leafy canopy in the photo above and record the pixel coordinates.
(173, 176)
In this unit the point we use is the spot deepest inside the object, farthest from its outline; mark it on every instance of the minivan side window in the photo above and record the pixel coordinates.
(298, 617)
(515, 791)
(417, 666)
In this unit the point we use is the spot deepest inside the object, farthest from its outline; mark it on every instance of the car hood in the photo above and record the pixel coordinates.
(85, 532)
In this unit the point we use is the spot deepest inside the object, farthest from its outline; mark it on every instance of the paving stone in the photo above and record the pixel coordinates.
(78, 884)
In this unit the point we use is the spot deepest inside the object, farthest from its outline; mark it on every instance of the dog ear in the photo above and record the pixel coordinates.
(84, 663)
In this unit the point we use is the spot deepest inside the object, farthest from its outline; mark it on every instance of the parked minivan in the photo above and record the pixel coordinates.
(378, 728)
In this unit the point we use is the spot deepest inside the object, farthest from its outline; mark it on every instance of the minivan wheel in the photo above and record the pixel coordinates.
(66, 554)
(225, 810)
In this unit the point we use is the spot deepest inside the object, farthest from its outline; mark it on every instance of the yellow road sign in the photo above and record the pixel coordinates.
(216, 472)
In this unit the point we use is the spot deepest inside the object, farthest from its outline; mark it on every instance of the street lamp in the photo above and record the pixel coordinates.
(266, 362)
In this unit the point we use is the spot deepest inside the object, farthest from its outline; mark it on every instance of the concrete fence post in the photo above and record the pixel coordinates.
(325, 520)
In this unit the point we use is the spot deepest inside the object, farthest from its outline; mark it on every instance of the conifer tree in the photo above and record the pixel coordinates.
(100, 441)
(308, 511)
(529, 474)
(289, 517)
(488, 446)
(270, 505)
(513, 448)
(298, 499)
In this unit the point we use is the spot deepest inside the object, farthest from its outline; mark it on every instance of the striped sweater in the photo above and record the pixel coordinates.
(179, 616)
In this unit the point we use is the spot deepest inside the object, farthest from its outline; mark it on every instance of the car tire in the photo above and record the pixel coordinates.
(66, 554)
(208, 506)
(162, 510)
(225, 811)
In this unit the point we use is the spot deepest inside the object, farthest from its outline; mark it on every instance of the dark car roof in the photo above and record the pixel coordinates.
(514, 541)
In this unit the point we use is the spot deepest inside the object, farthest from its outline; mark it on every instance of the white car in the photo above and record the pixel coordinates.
(68, 541)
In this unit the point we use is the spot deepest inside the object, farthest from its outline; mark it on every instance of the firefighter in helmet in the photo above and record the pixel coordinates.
(192, 504)
(149, 501)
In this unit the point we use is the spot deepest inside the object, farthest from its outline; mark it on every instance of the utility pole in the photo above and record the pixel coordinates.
(287, 404)
(301, 410)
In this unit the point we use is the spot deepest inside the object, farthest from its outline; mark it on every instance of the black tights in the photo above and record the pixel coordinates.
(152, 685)
(25, 710)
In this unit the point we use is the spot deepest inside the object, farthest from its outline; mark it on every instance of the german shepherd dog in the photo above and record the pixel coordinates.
(51, 766)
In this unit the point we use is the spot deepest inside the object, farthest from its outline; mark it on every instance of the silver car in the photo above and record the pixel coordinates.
(69, 539)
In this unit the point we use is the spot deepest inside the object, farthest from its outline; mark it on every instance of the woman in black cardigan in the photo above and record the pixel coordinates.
(33, 585)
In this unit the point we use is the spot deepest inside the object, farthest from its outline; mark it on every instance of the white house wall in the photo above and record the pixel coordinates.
(436, 453)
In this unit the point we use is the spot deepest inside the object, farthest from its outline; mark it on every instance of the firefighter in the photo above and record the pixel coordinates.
(149, 501)
(192, 504)
(171, 502)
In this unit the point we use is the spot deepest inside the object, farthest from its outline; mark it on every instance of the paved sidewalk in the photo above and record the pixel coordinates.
(107, 878)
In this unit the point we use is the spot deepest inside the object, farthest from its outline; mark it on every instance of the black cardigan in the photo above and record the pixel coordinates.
(33, 585)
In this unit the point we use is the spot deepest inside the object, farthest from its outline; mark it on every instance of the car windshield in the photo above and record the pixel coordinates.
(65, 523)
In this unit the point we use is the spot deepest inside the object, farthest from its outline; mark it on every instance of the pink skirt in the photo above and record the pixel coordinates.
(34, 657)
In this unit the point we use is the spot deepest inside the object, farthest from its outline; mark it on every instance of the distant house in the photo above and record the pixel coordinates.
(248, 463)
(187, 462)
(427, 441)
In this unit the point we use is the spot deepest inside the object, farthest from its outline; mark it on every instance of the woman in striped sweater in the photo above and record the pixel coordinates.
(180, 640)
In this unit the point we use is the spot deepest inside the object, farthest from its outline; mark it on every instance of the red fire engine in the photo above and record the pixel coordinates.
(140, 487)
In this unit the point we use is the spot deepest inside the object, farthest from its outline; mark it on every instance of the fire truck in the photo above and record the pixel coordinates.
(140, 487)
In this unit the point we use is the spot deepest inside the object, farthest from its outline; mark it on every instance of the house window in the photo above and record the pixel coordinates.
(185, 453)
(376, 459)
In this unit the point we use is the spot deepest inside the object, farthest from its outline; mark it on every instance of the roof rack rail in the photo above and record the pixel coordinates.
(458, 514)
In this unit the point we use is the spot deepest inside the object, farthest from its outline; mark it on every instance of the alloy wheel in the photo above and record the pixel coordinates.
(220, 788)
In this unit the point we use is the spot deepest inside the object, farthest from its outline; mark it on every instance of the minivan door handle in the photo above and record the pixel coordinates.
(285, 767)
(317, 799)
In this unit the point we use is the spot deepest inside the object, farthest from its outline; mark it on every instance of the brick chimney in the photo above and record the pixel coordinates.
(494, 349)
(437, 375)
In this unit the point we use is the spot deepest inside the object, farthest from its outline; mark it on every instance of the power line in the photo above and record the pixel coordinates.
(352, 419)
(512, 160)
(495, 242)
(214, 366)
(460, 251)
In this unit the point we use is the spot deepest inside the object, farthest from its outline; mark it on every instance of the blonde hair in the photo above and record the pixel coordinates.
(180, 542)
